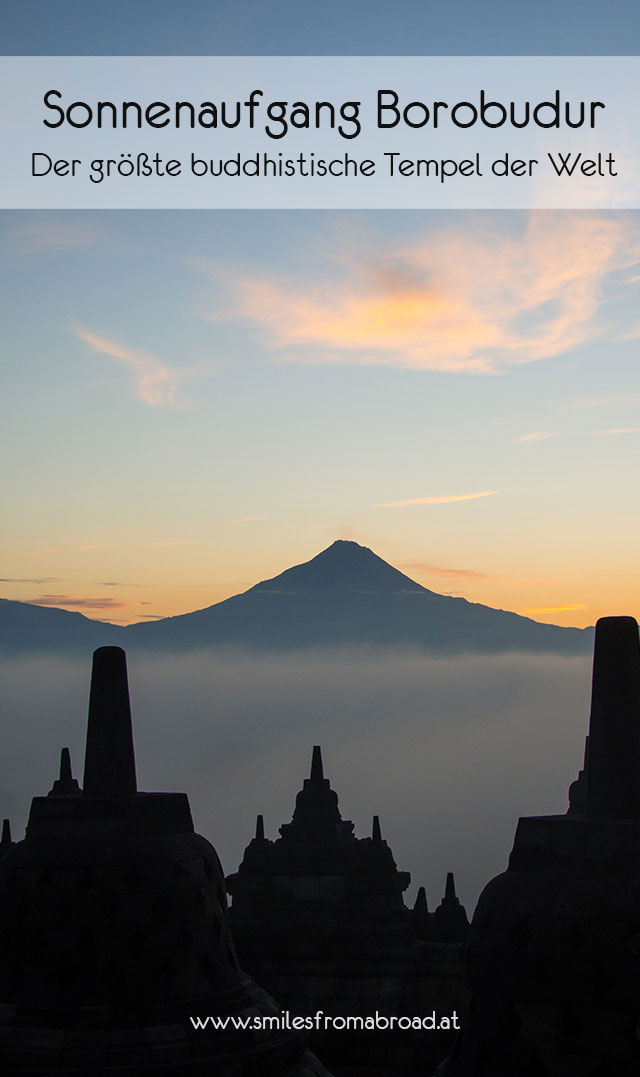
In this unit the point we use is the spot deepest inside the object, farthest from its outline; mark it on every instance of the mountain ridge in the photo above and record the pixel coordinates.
(345, 595)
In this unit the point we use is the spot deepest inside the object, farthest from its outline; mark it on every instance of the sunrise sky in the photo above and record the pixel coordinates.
(194, 401)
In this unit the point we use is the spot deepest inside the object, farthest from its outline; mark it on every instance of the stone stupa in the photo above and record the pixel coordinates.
(553, 962)
(114, 929)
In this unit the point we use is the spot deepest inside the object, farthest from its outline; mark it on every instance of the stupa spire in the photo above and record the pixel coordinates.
(613, 763)
(317, 770)
(5, 842)
(66, 785)
(316, 815)
(376, 832)
(419, 915)
(259, 828)
(109, 767)
(450, 917)
(421, 908)
(132, 904)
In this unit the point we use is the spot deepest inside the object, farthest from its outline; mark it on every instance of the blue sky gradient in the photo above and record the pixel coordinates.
(195, 400)
(285, 27)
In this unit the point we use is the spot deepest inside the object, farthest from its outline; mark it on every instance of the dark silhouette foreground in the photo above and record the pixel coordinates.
(553, 965)
(115, 931)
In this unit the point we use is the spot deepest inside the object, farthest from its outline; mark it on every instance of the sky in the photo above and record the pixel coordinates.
(305, 27)
(194, 401)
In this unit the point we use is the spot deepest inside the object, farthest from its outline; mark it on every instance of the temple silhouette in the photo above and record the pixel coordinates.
(553, 960)
(115, 930)
(318, 918)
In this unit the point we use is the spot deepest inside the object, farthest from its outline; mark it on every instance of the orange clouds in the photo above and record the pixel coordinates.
(475, 300)
(421, 568)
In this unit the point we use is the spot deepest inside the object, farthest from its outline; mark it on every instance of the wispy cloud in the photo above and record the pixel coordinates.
(610, 432)
(476, 299)
(155, 383)
(54, 233)
(247, 519)
(438, 499)
(615, 430)
(158, 545)
(552, 609)
(537, 435)
(425, 569)
(613, 400)
(80, 603)
(37, 579)
(61, 549)
(631, 334)
(48, 550)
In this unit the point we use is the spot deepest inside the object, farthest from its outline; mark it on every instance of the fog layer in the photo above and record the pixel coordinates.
(449, 751)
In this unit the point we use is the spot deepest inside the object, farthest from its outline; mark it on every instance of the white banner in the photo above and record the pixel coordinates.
(319, 132)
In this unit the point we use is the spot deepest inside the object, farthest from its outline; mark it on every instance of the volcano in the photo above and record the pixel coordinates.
(344, 596)
(347, 595)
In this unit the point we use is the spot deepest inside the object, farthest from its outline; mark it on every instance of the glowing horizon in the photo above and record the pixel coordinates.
(97, 607)
(192, 408)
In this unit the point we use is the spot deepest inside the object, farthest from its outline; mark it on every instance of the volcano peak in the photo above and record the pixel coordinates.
(344, 565)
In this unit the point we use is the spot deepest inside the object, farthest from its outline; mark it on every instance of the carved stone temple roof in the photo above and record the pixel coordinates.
(319, 917)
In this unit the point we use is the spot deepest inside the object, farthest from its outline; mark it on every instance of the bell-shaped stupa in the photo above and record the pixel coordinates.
(553, 962)
(114, 929)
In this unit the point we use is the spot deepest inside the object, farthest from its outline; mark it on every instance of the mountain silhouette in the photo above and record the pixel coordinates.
(346, 595)
(349, 595)
(25, 627)
(342, 566)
